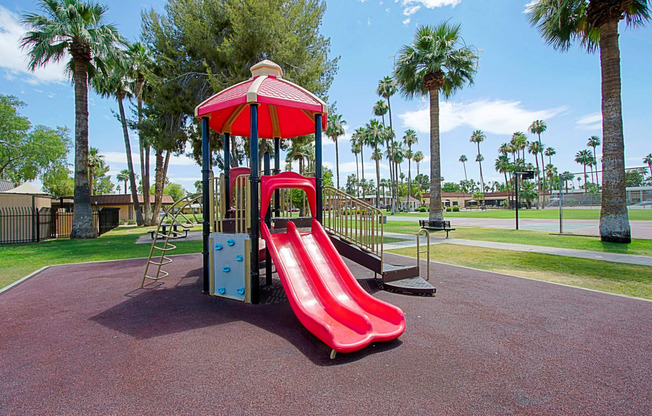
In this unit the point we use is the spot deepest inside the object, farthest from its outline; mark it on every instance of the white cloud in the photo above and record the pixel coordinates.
(497, 116)
(591, 121)
(14, 59)
(530, 6)
(406, 21)
(410, 10)
(121, 158)
(432, 4)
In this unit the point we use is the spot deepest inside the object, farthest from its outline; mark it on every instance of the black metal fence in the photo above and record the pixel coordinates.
(30, 225)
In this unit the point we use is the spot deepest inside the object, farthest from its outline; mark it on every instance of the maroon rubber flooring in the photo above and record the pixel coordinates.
(83, 339)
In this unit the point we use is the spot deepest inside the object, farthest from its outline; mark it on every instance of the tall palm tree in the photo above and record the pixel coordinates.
(594, 141)
(409, 139)
(356, 148)
(418, 158)
(77, 28)
(536, 149)
(477, 137)
(519, 143)
(464, 159)
(123, 176)
(359, 137)
(380, 109)
(435, 61)
(115, 83)
(373, 137)
(537, 127)
(95, 160)
(595, 25)
(550, 152)
(648, 160)
(386, 89)
(334, 130)
(584, 158)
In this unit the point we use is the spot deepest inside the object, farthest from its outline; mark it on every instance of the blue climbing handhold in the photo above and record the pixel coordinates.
(221, 291)
(230, 242)
(239, 258)
(226, 269)
(219, 247)
(240, 291)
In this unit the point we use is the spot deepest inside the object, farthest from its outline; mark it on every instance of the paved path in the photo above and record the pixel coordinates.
(585, 254)
(640, 229)
(83, 339)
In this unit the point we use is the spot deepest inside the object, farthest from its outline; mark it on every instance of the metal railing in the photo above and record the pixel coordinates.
(353, 220)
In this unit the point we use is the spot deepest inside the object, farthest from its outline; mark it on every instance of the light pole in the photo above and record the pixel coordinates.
(528, 174)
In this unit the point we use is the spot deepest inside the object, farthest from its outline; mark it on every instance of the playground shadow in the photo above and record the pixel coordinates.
(170, 307)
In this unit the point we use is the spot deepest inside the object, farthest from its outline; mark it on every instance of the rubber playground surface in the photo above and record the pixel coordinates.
(84, 339)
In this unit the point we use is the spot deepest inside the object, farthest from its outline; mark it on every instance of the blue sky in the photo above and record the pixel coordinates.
(520, 79)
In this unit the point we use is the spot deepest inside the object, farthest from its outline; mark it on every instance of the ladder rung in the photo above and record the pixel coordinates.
(172, 247)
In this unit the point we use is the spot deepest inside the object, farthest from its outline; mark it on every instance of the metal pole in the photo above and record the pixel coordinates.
(516, 196)
(205, 172)
(268, 221)
(318, 167)
(254, 180)
(227, 171)
(277, 170)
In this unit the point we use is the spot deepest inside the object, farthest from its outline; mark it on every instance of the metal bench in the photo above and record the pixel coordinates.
(436, 225)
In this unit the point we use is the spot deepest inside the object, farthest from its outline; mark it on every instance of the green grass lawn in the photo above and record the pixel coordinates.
(548, 214)
(618, 278)
(537, 238)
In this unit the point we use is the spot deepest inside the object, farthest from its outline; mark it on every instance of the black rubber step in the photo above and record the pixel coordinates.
(412, 285)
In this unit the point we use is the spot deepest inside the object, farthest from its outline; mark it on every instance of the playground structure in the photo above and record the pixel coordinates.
(240, 207)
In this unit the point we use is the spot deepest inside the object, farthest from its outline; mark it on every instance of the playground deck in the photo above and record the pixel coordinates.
(84, 339)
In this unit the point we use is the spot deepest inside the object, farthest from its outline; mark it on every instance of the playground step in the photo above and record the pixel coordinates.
(389, 272)
(412, 285)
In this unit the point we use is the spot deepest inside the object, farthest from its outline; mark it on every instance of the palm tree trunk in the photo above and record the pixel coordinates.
(463, 165)
(357, 175)
(409, 181)
(337, 163)
(377, 177)
(144, 154)
(130, 164)
(435, 165)
(82, 221)
(159, 182)
(614, 220)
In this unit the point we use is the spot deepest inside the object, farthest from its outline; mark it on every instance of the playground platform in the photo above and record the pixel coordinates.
(84, 338)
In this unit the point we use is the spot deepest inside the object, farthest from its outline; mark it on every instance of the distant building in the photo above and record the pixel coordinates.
(466, 200)
(122, 201)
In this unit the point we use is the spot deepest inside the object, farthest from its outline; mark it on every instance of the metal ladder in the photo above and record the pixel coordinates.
(171, 216)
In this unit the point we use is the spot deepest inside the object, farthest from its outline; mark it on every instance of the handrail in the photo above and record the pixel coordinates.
(427, 251)
(353, 220)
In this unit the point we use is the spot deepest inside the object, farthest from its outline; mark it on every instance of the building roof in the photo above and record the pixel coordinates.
(5, 185)
(284, 108)
(487, 195)
(26, 188)
(118, 199)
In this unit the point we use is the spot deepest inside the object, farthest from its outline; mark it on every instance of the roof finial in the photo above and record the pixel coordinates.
(266, 67)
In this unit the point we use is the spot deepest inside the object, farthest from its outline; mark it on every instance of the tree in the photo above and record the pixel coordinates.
(77, 28)
(386, 89)
(359, 138)
(58, 182)
(114, 83)
(374, 135)
(380, 109)
(123, 176)
(595, 25)
(27, 153)
(583, 157)
(477, 137)
(418, 158)
(464, 159)
(536, 149)
(634, 177)
(519, 143)
(648, 160)
(503, 166)
(99, 182)
(550, 152)
(435, 62)
(537, 127)
(334, 130)
(594, 141)
(410, 138)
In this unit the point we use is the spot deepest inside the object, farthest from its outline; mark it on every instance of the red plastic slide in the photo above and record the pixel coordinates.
(323, 293)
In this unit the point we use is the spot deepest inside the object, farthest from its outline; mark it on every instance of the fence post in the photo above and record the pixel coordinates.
(38, 225)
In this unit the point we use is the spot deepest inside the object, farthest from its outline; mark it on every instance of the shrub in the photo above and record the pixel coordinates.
(456, 209)
(448, 209)
(422, 209)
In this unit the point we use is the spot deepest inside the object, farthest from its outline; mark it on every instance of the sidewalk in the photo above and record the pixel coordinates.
(410, 241)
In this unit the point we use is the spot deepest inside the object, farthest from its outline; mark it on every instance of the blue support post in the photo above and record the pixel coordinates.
(205, 173)
(255, 217)
(318, 167)
(227, 170)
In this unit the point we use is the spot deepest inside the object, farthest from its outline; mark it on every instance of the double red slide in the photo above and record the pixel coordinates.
(325, 295)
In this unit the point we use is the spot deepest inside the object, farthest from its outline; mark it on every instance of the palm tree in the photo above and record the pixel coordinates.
(648, 160)
(537, 127)
(114, 83)
(550, 152)
(595, 25)
(435, 62)
(464, 159)
(536, 148)
(359, 137)
(334, 130)
(380, 109)
(95, 160)
(77, 28)
(519, 143)
(477, 137)
(387, 88)
(594, 141)
(409, 139)
(356, 148)
(374, 137)
(123, 176)
(583, 157)
(418, 157)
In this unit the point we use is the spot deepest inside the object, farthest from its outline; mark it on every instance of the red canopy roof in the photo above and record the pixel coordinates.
(284, 108)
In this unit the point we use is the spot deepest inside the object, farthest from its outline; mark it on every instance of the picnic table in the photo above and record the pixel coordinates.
(171, 228)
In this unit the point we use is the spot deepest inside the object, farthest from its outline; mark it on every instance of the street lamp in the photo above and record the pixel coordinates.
(527, 174)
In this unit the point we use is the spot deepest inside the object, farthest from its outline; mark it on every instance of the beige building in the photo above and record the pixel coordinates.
(121, 201)
(465, 200)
